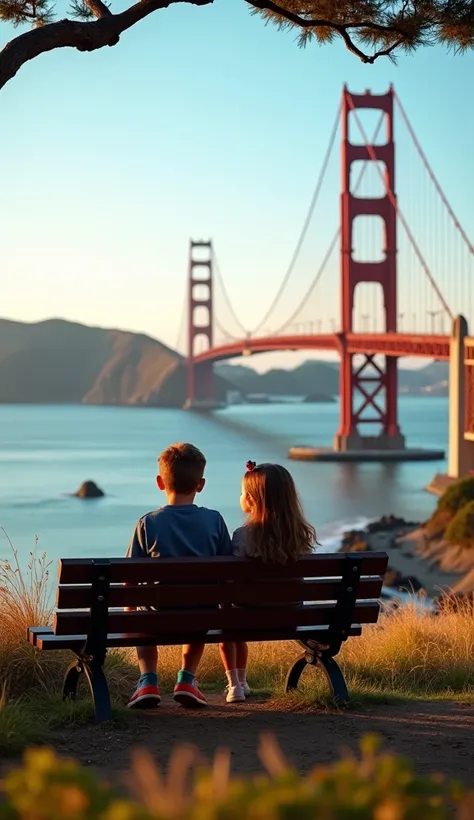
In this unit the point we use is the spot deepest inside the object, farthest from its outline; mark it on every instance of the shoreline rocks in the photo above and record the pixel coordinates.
(385, 531)
(390, 522)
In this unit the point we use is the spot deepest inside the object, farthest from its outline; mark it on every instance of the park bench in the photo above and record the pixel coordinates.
(340, 592)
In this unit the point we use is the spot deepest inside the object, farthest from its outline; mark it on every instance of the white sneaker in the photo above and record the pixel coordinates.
(235, 694)
(244, 686)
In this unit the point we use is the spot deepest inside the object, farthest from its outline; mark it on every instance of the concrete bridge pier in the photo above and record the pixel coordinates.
(461, 373)
(461, 408)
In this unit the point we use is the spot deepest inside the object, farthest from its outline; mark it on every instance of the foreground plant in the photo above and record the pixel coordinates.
(373, 786)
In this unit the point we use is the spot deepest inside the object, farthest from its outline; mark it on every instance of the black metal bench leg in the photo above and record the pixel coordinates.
(335, 678)
(330, 668)
(71, 679)
(99, 691)
(293, 676)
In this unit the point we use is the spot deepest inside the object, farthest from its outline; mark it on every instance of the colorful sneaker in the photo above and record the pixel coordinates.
(235, 694)
(144, 697)
(188, 694)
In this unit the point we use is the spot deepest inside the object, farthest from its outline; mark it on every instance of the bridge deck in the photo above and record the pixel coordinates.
(388, 344)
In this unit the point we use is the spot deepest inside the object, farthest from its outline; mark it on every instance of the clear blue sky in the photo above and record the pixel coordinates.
(200, 123)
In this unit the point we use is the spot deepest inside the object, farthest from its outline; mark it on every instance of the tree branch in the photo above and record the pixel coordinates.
(308, 22)
(84, 36)
(98, 8)
(341, 29)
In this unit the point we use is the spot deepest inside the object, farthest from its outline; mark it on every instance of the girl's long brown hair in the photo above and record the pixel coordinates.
(276, 529)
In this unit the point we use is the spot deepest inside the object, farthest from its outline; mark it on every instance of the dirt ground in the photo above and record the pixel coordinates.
(437, 736)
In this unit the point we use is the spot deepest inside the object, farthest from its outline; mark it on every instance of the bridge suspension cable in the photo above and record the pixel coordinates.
(306, 224)
(313, 284)
(331, 246)
(392, 198)
(225, 333)
(432, 175)
(296, 252)
(225, 293)
(182, 326)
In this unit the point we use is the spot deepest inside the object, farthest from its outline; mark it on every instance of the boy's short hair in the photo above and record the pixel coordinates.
(181, 467)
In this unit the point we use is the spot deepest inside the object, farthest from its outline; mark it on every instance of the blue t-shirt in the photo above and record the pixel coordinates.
(184, 531)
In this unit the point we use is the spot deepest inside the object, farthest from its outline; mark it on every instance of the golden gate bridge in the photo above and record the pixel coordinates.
(383, 239)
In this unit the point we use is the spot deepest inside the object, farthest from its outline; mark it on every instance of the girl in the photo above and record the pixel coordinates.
(275, 531)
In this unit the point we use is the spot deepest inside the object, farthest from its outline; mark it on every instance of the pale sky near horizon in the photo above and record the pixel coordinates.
(203, 123)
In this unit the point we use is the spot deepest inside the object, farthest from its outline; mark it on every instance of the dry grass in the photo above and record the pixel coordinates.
(422, 654)
(24, 601)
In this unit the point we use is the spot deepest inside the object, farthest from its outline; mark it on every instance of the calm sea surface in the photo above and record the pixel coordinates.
(46, 453)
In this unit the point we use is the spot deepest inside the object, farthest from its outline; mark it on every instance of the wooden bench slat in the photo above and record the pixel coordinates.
(278, 591)
(45, 640)
(194, 621)
(33, 632)
(202, 570)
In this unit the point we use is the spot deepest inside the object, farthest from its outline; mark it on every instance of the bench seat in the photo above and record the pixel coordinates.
(176, 601)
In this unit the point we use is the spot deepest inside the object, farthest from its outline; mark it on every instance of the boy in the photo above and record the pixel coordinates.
(180, 529)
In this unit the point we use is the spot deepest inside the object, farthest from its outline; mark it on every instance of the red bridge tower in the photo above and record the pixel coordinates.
(368, 387)
(200, 378)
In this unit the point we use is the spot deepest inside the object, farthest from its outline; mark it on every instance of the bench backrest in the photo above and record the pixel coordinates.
(338, 590)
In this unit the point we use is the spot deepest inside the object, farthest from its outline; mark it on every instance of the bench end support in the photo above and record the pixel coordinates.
(328, 665)
(97, 684)
(335, 678)
(99, 690)
(71, 679)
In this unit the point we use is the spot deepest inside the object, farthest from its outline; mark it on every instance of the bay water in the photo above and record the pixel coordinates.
(46, 452)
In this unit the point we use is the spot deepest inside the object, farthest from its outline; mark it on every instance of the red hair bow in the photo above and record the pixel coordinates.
(250, 466)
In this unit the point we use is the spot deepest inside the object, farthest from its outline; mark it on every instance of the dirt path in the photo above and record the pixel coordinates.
(437, 736)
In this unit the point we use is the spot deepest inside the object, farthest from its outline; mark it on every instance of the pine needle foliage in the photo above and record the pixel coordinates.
(375, 28)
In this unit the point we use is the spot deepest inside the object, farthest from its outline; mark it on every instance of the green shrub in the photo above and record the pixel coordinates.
(453, 499)
(457, 495)
(373, 787)
(460, 531)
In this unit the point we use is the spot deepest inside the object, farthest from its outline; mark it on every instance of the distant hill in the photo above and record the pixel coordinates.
(323, 378)
(308, 378)
(59, 362)
(430, 380)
